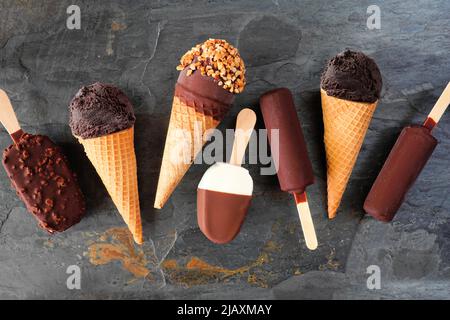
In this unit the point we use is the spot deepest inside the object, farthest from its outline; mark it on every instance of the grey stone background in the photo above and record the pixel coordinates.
(136, 45)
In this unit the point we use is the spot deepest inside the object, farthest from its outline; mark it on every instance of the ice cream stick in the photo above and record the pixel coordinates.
(438, 109)
(7, 116)
(245, 123)
(306, 220)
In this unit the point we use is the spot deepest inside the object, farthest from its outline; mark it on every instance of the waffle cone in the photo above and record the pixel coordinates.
(187, 126)
(114, 159)
(345, 125)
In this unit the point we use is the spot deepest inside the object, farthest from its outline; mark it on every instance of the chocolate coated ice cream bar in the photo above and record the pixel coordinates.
(406, 160)
(40, 174)
(290, 154)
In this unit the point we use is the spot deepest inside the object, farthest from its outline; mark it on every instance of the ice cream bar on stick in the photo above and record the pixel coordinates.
(225, 190)
(290, 155)
(406, 160)
(40, 174)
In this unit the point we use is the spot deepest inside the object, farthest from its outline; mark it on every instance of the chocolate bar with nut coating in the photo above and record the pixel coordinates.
(40, 174)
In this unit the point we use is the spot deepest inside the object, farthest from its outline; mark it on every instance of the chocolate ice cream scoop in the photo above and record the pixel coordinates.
(40, 174)
(351, 75)
(100, 109)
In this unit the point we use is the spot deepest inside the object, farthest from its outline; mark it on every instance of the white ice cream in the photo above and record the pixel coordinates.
(227, 178)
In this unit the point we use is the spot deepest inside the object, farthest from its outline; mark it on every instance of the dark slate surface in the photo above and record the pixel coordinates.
(136, 45)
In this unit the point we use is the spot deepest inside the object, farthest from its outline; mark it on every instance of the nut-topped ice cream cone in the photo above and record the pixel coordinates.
(102, 119)
(211, 74)
(350, 89)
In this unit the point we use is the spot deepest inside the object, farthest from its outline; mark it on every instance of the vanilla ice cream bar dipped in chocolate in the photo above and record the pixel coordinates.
(225, 191)
(41, 176)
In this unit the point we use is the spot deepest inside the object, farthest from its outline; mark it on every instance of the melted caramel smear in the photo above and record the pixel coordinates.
(198, 264)
(117, 244)
(196, 271)
(116, 26)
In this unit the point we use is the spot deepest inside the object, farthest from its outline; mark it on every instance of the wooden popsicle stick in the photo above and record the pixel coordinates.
(304, 213)
(245, 123)
(438, 109)
(7, 116)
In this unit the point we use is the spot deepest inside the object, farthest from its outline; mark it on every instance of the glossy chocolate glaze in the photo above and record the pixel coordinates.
(406, 160)
(220, 215)
(203, 93)
(294, 167)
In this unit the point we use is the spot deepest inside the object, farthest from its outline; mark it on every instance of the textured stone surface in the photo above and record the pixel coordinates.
(136, 45)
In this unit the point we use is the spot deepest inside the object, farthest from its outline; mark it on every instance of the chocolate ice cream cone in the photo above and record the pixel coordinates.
(211, 73)
(350, 91)
(102, 119)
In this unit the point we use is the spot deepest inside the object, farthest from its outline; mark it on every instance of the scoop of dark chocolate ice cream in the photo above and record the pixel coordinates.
(351, 75)
(100, 109)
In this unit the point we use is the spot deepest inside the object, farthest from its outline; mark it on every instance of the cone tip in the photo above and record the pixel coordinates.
(162, 195)
(332, 213)
(158, 203)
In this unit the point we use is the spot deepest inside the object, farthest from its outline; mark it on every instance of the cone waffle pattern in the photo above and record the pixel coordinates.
(194, 121)
(114, 159)
(345, 125)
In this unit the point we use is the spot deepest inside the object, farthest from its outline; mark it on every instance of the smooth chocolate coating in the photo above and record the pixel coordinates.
(294, 167)
(42, 179)
(409, 155)
(220, 215)
(203, 93)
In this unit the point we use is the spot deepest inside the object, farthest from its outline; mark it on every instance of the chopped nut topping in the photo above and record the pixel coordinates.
(25, 155)
(49, 203)
(60, 182)
(219, 60)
